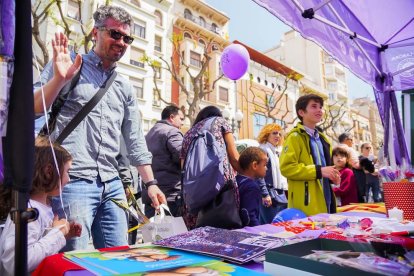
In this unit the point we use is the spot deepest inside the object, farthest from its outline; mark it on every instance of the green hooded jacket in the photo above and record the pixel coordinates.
(298, 166)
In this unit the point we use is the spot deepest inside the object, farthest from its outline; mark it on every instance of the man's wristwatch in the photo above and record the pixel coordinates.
(150, 183)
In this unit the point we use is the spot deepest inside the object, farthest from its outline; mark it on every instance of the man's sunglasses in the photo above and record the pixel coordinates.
(118, 35)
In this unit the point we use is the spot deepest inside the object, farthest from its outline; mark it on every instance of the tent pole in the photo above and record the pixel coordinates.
(297, 4)
(356, 42)
(318, 7)
(397, 32)
(345, 30)
(368, 58)
(401, 45)
(403, 70)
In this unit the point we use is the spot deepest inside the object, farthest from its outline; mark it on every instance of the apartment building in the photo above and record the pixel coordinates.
(202, 30)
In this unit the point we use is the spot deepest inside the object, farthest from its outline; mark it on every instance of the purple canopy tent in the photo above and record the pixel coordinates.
(373, 38)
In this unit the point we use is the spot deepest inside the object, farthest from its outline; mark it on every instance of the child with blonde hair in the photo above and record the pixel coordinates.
(47, 234)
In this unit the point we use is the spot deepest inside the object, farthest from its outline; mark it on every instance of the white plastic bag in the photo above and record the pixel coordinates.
(162, 226)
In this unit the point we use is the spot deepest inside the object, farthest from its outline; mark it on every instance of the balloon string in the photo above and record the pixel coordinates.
(50, 141)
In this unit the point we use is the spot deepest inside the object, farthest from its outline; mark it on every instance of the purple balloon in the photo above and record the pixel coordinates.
(235, 61)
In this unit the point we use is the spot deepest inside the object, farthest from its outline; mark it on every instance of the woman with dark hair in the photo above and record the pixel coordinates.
(207, 112)
(222, 131)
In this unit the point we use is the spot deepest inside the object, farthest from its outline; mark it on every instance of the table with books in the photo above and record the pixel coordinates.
(219, 251)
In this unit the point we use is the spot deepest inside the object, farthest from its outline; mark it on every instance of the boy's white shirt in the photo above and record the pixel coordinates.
(42, 240)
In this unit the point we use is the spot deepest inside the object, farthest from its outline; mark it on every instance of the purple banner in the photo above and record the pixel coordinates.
(7, 27)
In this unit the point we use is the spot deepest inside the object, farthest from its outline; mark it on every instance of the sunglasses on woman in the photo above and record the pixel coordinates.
(118, 35)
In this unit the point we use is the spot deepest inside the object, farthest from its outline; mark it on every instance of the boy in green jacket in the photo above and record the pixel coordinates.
(306, 161)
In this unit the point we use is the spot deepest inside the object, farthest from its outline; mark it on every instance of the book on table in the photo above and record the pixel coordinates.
(148, 260)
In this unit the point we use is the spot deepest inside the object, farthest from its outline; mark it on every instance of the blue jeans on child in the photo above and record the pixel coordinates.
(89, 203)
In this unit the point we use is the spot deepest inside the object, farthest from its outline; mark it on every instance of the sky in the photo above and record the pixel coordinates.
(257, 28)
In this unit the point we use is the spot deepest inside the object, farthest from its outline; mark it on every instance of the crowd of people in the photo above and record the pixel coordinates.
(298, 169)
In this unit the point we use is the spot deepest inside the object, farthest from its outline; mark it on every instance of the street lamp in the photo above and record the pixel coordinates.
(235, 121)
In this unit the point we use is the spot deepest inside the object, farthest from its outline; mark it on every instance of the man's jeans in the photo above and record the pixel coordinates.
(89, 203)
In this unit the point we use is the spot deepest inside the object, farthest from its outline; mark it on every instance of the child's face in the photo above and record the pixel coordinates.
(339, 160)
(64, 178)
(261, 167)
(313, 113)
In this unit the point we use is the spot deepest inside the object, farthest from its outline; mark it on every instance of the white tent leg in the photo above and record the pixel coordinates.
(407, 120)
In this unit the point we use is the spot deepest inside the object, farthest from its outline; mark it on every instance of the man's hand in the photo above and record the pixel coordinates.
(157, 197)
(63, 67)
(331, 173)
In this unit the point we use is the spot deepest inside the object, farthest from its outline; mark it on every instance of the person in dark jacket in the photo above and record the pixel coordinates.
(164, 141)
(253, 165)
(372, 179)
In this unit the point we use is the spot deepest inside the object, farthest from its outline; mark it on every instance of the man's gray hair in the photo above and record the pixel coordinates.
(117, 13)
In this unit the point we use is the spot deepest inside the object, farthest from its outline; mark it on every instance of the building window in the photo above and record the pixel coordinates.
(266, 82)
(157, 72)
(195, 59)
(258, 79)
(223, 94)
(138, 87)
(188, 14)
(220, 70)
(187, 35)
(332, 96)
(157, 43)
(202, 22)
(135, 2)
(273, 85)
(73, 10)
(260, 120)
(182, 57)
(214, 47)
(201, 42)
(270, 101)
(136, 57)
(156, 98)
(158, 18)
(139, 29)
(214, 28)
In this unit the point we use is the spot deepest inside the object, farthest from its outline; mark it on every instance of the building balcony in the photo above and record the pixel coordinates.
(206, 11)
(200, 27)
